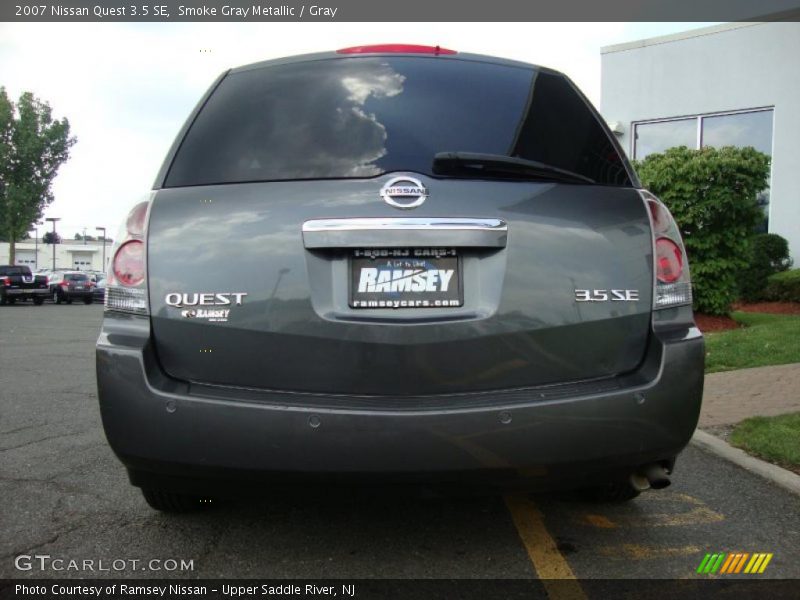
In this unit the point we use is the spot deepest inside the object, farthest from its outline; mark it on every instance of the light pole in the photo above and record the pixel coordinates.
(36, 244)
(103, 229)
(53, 221)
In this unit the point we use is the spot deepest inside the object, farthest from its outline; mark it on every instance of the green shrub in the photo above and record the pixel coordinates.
(783, 287)
(711, 192)
(769, 254)
(776, 250)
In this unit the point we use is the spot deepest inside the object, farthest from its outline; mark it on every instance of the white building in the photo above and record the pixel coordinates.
(734, 84)
(70, 254)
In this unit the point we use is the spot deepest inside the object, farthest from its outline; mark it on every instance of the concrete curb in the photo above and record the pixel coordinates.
(777, 475)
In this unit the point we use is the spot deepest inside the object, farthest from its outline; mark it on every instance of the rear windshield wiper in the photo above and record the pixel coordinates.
(448, 163)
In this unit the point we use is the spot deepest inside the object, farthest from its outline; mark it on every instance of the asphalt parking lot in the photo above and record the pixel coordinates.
(65, 495)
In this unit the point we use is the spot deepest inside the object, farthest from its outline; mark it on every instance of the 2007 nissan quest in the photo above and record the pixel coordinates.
(397, 263)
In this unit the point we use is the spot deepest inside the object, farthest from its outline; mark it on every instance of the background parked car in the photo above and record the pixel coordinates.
(18, 283)
(71, 285)
(99, 292)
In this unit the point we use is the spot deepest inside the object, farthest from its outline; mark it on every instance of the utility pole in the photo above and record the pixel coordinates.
(36, 244)
(53, 221)
(103, 229)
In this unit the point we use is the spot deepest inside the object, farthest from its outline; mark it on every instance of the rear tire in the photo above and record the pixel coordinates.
(87, 300)
(12, 300)
(174, 503)
(56, 297)
(69, 300)
(38, 301)
(613, 492)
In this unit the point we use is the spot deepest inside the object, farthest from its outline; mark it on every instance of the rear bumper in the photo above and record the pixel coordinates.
(173, 433)
(21, 292)
(78, 294)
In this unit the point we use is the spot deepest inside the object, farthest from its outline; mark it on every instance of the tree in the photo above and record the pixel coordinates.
(88, 238)
(33, 146)
(712, 193)
(49, 236)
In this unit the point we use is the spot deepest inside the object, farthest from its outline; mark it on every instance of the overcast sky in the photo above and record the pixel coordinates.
(127, 88)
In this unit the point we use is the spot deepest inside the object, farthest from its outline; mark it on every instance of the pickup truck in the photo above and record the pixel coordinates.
(18, 283)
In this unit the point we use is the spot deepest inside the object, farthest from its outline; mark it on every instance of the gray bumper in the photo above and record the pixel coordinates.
(16, 292)
(157, 424)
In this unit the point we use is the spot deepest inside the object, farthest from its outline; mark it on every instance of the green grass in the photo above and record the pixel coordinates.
(765, 340)
(776, 439)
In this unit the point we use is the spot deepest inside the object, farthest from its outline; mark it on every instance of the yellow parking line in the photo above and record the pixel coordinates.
(601, 521)
(548, 561)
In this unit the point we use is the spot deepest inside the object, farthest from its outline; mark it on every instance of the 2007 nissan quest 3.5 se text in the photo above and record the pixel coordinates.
(397, 263)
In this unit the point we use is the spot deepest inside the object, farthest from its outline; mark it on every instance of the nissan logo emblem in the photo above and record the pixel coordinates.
(404, 192)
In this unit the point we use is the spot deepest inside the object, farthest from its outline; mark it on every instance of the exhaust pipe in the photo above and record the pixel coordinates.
(652, 476)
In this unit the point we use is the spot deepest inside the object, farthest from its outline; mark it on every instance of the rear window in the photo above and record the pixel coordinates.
(75, 277)
(363, 117)
(15, 271)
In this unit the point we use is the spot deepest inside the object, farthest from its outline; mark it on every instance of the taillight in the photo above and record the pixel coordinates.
(399, 48)
(673, 286)
(135, 222)
(669, 260)
(64, 284)
(128, 265)
(126, 289)
(6, 280)
(659, 216)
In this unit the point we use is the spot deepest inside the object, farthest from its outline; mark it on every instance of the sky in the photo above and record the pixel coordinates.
(127, 88)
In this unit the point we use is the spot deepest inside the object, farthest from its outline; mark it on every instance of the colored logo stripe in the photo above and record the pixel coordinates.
(734, 562)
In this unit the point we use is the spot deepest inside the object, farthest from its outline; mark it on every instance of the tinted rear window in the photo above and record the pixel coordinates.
(75, 277)
(15, 271)
(362, 117)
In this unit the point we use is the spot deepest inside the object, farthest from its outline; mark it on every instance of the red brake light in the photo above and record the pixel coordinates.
(669, 260)
(128, 264)
(64, 283)
(6, 280)
(399, 48)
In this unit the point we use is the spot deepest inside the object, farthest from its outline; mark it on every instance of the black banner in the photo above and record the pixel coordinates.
(400, 11)
(367, 589)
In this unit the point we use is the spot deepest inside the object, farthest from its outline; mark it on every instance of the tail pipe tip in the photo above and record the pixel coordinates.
(652, 476)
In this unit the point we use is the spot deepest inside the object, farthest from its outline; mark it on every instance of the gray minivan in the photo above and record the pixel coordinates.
(397, 263)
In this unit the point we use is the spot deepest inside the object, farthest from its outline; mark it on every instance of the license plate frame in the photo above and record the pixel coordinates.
(375, 291)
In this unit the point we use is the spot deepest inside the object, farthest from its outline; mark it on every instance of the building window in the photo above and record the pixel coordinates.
(659, 135)
(740, 128)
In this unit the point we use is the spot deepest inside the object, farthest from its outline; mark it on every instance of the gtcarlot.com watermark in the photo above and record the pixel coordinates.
(45, 562)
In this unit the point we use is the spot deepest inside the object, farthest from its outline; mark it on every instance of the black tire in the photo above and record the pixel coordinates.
(3, 301)
(612, 492)
(87, 300)
(56, 297)
(173, 502)
(69, 300)
(12, 300)
(38, 301)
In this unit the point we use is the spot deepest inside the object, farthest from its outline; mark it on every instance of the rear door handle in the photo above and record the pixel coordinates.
(405, 232)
